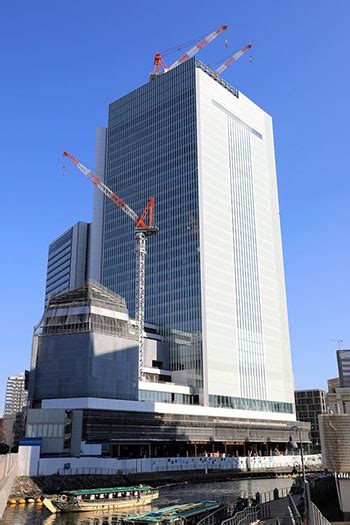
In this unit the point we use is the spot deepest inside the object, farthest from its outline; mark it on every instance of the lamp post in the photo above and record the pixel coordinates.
(306, 494)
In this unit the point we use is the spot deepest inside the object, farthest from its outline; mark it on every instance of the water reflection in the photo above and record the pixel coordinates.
(225, 491)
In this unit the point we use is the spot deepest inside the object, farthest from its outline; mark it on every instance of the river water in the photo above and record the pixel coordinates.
(223, 491)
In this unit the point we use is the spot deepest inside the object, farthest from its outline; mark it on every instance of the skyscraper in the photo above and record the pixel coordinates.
(214, 279)
(16, 395)
(67, 263)
(343, 357)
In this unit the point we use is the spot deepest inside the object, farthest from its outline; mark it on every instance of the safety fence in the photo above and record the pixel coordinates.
(106, 465)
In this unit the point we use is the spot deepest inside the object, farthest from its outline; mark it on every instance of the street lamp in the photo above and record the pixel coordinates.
(293, 445)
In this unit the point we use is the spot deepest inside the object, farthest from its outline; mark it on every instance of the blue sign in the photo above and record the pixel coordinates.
(66, 466)
(26, 442)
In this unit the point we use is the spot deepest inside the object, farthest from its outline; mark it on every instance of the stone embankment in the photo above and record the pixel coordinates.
(26, 487)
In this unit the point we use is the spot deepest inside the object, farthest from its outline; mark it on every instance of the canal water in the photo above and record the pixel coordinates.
(223, 491)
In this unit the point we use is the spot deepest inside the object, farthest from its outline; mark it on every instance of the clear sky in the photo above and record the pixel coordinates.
(64, 61)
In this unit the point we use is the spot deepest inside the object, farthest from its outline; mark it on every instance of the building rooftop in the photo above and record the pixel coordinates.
(91, 293)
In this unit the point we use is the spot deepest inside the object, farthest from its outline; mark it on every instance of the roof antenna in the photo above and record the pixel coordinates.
(339, 341)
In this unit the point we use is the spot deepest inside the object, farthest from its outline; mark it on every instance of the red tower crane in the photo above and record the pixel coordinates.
(233, 59)
(159, 65)
(143, 230)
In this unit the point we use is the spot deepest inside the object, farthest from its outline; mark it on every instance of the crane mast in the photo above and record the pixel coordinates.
(143, 230)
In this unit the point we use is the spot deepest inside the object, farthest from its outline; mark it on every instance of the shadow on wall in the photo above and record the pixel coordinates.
(85, 364)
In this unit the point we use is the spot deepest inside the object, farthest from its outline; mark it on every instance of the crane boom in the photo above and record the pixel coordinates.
(102, 186)
(233, 59)
(194, 50)
(142, 231)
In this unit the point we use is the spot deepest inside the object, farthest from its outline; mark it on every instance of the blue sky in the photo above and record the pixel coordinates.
(62, 62)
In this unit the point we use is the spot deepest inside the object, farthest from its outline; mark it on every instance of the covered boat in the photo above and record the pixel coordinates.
(101, 499)
(188, 513)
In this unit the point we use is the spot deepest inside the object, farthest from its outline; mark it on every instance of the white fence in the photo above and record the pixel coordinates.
(100, 465)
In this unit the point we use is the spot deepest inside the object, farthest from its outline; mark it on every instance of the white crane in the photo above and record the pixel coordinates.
(143, 230)
(233, 59)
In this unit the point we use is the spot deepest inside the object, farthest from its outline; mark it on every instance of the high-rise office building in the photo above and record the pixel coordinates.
(67, 263)
(16, 395)
(216, 343)
(214, 279)
(343, 358)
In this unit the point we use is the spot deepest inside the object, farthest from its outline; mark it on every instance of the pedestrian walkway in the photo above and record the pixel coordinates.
(284, 511)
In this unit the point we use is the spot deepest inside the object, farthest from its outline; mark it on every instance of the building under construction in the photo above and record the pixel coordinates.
(84, 389)
(195, 356)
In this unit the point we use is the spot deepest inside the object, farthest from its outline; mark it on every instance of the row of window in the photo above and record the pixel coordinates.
(166, 397)
(260, 405)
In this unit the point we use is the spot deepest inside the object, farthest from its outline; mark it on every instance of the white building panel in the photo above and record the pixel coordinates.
(246, 351)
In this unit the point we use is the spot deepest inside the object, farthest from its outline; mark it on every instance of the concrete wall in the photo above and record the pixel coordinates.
(93, 465)
(8, 473)
(335, 442)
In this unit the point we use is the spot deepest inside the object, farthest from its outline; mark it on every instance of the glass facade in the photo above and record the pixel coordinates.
(259, 405)
(152, 150)
(165, 397)
(67, 260)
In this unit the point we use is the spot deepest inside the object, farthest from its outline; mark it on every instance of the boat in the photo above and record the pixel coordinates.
(101, 499)
(188, 513)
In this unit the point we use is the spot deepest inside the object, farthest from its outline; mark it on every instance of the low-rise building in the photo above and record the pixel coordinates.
(335, 432)
(308, 405)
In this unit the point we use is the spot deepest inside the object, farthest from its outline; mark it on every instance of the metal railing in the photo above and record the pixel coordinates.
(258, 506)
(267, 497)
(244, 517)
(295, 515)
(317, 516)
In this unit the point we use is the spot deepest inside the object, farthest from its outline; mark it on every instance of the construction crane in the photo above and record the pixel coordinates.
(143, 230)
(232, 59)
(159, 65)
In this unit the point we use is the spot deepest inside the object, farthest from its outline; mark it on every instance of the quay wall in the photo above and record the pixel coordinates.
(8, 473)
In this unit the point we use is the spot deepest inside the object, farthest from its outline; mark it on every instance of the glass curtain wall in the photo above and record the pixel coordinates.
(152, 150)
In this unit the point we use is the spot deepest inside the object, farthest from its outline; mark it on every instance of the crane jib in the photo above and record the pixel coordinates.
(142, 232)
